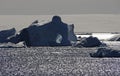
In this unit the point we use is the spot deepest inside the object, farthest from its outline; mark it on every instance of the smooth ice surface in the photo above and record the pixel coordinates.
(101, 36)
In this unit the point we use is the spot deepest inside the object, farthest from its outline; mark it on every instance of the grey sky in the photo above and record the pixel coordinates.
(87, 15)
(33, 7)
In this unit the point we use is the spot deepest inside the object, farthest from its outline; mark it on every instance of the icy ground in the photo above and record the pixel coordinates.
(55, 61)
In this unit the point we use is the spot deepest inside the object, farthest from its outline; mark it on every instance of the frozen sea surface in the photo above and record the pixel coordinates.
(100, 36)
(55, 61)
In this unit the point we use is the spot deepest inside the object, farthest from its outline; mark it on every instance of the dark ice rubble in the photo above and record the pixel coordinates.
(106, 52)
(5, 34)
(89, 42)
(54, 33)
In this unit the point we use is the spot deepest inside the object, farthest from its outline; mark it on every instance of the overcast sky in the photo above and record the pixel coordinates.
(87, 15)
(40, 7)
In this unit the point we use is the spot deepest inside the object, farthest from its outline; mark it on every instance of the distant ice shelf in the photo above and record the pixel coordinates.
(100, 36)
